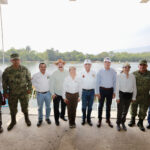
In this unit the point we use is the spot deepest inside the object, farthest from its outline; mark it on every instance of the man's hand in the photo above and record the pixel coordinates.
(6, 96)
(98, 96)
(66, 101)
(29, 91)
(118, 101)
(114, 95)
(132, 101)
(53, 96)
(78, 99)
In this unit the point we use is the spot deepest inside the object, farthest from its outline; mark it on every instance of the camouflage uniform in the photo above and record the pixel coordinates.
(17, 83)
(143, 97)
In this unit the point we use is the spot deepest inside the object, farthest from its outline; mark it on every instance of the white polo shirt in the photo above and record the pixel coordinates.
(41, 82)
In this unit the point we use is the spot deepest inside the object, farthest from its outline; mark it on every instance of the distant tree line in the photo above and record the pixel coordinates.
(27, 54)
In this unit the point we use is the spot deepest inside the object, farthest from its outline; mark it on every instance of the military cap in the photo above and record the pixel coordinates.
(143, 62)
(126, 65)
(14, 56)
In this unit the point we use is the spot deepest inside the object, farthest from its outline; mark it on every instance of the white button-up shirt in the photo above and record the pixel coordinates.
(88, 80)
(0, 80)
(71, 86)
(41, 82)
(125, 84)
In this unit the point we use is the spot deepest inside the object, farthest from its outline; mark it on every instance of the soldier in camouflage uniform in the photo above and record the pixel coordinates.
(143, 97)
(16, 80)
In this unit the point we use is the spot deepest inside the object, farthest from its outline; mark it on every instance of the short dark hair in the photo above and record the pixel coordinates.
(42, 64)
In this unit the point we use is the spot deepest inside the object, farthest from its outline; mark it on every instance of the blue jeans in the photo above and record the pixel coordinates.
(148, 118)
(41, 98)
(87, 102)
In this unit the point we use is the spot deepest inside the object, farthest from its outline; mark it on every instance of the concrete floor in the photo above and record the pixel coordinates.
(51, 137)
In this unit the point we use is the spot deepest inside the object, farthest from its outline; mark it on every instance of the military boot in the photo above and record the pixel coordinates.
(13, 122)
(140, 125)
(28, 122)
(132, 122)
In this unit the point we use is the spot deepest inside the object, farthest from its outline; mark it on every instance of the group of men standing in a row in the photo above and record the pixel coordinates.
(66, 88)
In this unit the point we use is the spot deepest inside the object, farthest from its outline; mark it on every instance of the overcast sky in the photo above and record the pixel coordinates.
(90, 26)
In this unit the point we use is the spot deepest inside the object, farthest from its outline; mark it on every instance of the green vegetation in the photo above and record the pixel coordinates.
(27, 54)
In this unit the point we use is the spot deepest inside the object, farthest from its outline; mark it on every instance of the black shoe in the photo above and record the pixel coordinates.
(140, 125)
(83, 122)
(57, 123)
(118, 127)
(124, 127)
(132, 122)
(99, 124)
(109, 123)
(148, 126)
(1, 129)
(48, 121)
(90, 123)
(39, 123)
(63, 118)
(11, 125)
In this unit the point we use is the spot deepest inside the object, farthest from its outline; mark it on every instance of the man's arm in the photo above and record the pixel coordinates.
(5, 83)
(28, 78)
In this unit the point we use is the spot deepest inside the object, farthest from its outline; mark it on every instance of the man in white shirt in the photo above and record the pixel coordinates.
(88, 82)
(1, 129)
(40, 81)
(105, 88)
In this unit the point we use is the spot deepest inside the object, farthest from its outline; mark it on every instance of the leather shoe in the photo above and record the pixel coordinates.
(148, 126)
(63, 118)
(109, 123)
(83, 122)
(39, 123)
(99, 124)
(48, 121)
(57, 123)
(90, 123)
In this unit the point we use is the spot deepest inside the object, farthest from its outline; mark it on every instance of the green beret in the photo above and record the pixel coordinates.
(14, 56)
(143, 62)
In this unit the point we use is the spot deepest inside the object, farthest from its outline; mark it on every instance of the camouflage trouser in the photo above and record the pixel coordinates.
(13, 103)
(143, 107)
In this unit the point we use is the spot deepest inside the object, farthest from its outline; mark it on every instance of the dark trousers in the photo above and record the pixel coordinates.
(72, 106)
(105, 94)
(87, 102)
(0, 109)
(123, 106)
(56, 102)
(148, 118)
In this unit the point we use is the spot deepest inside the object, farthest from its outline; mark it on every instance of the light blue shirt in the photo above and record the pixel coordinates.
(106, 78)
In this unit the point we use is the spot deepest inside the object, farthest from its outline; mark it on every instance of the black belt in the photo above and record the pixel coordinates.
(106, 88)
(88, 89)
(42, 92)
